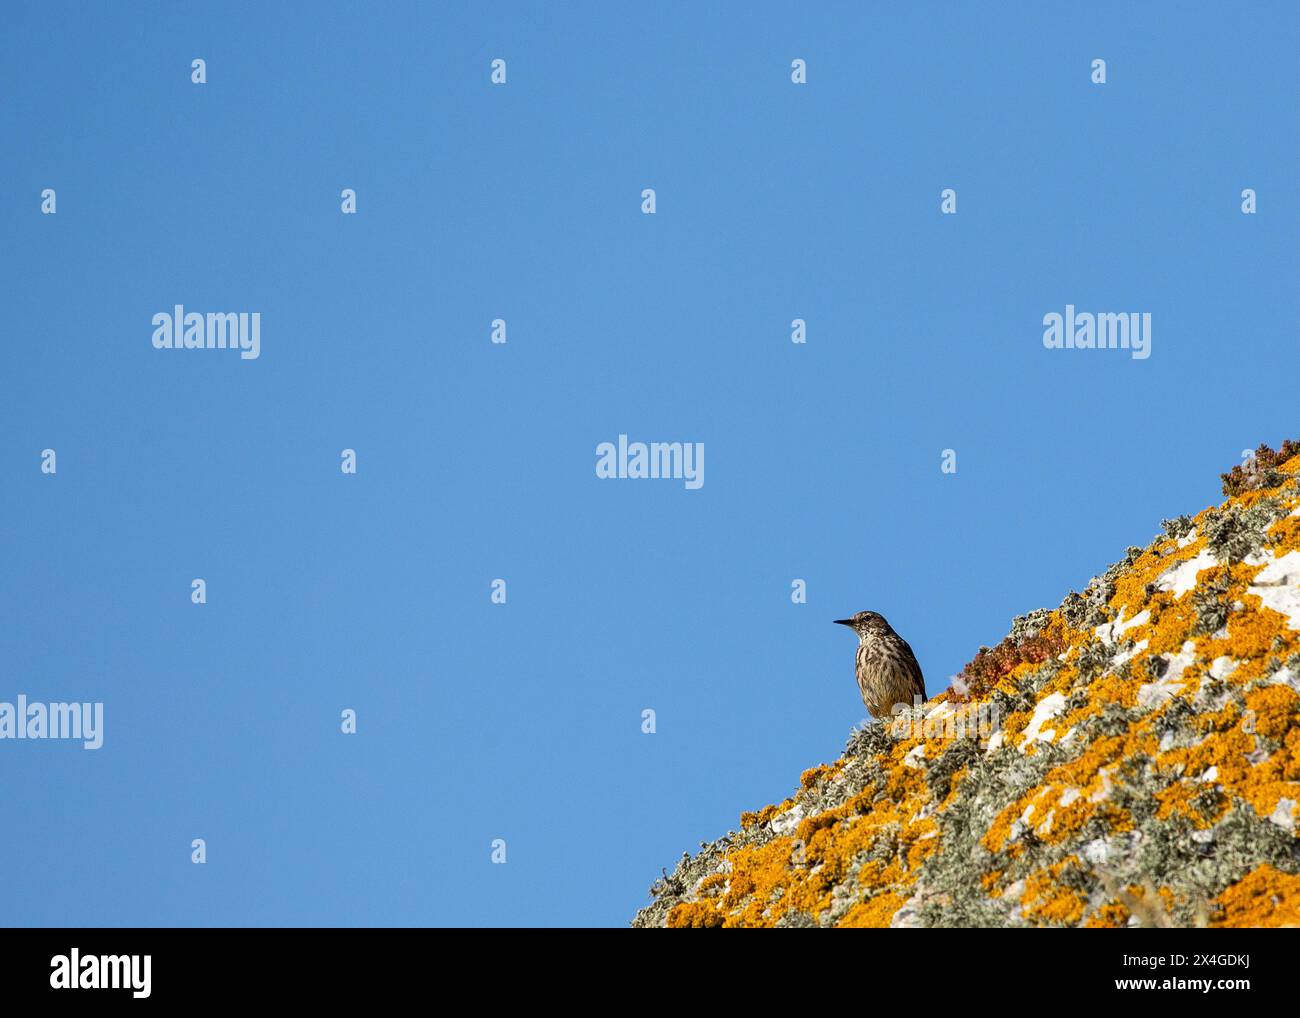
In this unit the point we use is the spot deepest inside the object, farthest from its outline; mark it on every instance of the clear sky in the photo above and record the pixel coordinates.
(476, 461)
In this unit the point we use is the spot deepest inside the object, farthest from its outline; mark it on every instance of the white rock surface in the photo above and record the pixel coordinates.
(1278, 586)
(1048, 707)
(1181, 578)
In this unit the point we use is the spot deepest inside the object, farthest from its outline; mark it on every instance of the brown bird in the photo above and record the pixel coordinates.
(888, 672)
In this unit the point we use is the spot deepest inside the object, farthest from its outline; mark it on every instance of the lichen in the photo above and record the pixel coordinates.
(1264, 897)
(1146, 770)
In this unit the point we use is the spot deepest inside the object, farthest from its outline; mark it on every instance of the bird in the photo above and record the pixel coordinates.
(887, 670)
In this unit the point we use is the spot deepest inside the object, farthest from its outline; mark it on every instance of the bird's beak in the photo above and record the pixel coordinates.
(843, 622)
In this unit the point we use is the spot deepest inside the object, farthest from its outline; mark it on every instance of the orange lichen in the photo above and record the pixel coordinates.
(874, 913)
(809, 778)
(1111, 915)
(1182, 711)
(694, 915)
(1264, 897)
(1048, 902)
(1131, 585)
(1284, 535)
(1274, 709)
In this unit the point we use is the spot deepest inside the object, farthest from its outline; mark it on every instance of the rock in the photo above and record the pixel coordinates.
(1129, 758)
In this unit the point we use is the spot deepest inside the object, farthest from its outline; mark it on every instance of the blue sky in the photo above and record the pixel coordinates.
(476, 461)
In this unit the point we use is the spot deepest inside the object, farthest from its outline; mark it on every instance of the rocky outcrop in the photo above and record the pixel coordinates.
(1131, 757)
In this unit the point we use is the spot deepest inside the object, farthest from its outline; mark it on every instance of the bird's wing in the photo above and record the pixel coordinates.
(914, 667)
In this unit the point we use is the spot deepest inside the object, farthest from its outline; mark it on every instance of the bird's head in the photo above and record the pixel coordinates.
(865, 623)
